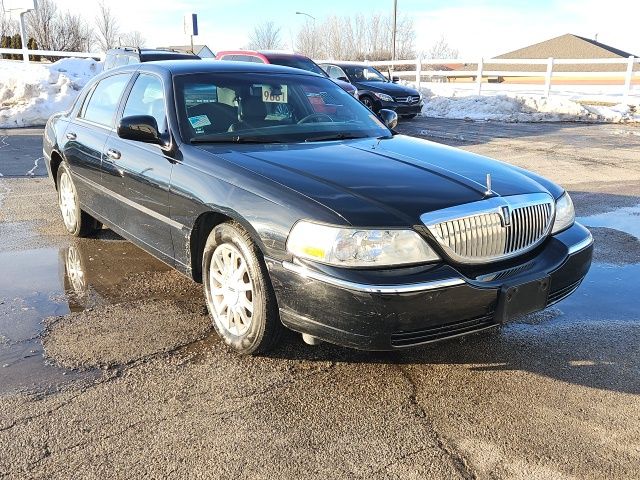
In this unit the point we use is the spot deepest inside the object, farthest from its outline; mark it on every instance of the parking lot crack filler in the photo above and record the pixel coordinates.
(458, 460)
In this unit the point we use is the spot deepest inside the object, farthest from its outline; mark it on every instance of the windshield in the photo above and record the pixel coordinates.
(300, 63)
(269, 108)
(365, 74)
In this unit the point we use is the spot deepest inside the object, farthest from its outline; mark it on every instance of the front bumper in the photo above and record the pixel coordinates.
(385, 310)
(401, 108)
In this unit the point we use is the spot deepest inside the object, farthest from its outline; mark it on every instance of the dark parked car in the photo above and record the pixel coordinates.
(375, 90)
(117, 57)
(293, 60)
(295, 206)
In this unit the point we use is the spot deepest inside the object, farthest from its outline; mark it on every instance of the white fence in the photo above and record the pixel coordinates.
(48, 53)
(481, 73)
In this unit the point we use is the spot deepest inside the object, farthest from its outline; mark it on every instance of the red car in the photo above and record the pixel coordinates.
(294, 60)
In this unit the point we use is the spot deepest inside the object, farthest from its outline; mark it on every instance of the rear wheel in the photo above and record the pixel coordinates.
(77, 222)
(238, 291)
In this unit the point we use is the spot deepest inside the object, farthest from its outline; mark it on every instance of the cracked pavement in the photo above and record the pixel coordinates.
(108, 366)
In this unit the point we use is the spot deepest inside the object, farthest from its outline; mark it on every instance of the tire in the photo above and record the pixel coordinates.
(243, 309)
(77, 222)
(368, 102)
(409, 117)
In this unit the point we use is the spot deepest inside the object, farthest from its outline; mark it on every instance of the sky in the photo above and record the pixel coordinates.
(477, 28)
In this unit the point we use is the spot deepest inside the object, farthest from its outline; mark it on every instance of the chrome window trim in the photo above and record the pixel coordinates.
(368, 288)
(492, 205)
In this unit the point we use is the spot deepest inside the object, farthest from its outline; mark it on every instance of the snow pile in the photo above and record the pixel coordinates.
(31, 92)
(524, 108)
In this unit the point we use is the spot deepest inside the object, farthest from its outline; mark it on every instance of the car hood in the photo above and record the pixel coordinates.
(382, 183)
(388, 88)
(346, 86)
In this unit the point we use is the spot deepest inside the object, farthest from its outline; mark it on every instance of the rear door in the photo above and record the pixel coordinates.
(140, 173)
(86, 137)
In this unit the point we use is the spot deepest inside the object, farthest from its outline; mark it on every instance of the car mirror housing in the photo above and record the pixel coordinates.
(141, 128)
(388, 117)
(395, 79)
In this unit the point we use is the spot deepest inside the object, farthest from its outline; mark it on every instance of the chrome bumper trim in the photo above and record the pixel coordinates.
(367, 288)
(581, 245)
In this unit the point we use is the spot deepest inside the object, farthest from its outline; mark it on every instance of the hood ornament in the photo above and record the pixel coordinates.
(488, 191)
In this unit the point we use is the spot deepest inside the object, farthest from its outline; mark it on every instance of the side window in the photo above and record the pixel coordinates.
(147, 98)
(102, 105)
(339, 73)
(248, 58)
(109, 61)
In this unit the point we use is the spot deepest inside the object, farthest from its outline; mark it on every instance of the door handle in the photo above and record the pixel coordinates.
(71, 136)
(114, 154)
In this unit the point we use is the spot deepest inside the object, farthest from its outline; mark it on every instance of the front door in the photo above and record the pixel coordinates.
(141, 173)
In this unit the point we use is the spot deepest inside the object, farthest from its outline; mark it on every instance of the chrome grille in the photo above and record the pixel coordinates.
(492, 229)
(408, 99)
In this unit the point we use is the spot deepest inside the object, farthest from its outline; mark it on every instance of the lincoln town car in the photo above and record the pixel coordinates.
(298, 207)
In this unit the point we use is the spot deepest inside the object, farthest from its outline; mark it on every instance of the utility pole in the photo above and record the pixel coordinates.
(395, 27)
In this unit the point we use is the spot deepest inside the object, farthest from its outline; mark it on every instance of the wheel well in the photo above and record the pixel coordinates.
(56, 160)
(201, 230)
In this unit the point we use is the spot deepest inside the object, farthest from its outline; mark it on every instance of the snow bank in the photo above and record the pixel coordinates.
(524, 108)
(30, 93)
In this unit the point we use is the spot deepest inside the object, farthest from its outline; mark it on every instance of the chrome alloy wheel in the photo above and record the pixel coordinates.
(68, 201)
(231, 290)
(75, 271)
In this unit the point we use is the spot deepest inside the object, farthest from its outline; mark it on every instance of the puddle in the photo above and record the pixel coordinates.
(40, 283)
(626, 219)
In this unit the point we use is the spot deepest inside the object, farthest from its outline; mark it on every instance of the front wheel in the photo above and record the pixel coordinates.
(238, 291)
(368, 102)
(77, 222)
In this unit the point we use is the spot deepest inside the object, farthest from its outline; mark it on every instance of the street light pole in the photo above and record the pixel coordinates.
(310, 16)
(395, 27)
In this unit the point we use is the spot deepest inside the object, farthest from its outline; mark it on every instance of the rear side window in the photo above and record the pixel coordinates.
(102, 105)
(147, 98)
(242, 58)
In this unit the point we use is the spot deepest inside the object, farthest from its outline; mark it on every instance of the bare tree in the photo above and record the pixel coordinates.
(357, 38)
(133, 39)
(53, 30)
(442, 49)
(308, 40)
(107, 27)
(8, 25)
(265, 36)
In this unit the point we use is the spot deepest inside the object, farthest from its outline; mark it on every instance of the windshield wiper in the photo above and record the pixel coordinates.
(232, 139)
(334, 136)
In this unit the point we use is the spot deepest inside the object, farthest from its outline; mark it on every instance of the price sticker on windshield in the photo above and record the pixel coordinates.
(274, 93)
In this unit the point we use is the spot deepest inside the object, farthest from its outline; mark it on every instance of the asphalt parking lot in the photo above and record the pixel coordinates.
(109, 368)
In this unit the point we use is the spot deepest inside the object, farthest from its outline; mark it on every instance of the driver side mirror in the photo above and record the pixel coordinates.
(141, 128)
(388, 117)
(395, 79)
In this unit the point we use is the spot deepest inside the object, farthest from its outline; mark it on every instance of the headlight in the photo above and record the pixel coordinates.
(384, 97)
(565, 214)
(356, 247)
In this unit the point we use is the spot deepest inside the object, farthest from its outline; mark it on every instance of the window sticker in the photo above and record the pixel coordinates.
(199, 121)
(274, 93)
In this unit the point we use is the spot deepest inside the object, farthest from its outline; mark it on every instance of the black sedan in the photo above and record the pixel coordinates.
(294, 205)
(375, 90)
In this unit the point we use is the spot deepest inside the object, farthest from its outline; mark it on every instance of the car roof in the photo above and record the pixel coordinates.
(347, 64)
(182, 67)
(264, 53)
